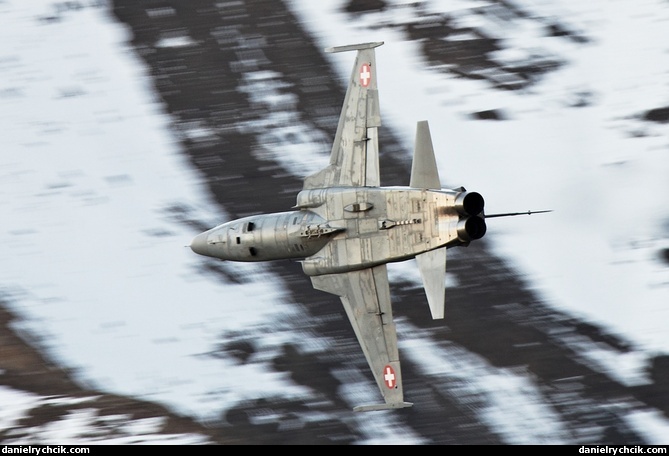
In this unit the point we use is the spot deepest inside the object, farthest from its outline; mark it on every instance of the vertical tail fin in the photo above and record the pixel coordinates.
(424, 173)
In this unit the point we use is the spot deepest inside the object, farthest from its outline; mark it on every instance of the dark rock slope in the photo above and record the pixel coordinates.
(492, 315)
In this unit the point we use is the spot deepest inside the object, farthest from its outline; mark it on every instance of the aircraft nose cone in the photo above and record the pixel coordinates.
(199, 244)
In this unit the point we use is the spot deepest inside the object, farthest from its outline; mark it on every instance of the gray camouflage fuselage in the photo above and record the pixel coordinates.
(343, 229)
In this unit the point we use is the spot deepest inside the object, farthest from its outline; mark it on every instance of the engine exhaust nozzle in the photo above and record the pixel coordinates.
(469, 203)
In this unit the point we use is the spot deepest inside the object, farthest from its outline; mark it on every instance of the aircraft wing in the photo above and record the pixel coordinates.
(366, 298)
(354, 160)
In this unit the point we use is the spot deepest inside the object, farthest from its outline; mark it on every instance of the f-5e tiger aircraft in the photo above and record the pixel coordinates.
(345, 227)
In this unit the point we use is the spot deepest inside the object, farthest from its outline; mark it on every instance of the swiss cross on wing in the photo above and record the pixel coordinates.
(365, 74)
(389, 377)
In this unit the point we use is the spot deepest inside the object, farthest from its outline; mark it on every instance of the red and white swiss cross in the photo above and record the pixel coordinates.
(389, 377)
(365, 74)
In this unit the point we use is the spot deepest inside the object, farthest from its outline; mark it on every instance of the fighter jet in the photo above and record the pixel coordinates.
(345, 227)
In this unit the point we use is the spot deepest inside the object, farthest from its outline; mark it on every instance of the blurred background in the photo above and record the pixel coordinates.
(131, 126)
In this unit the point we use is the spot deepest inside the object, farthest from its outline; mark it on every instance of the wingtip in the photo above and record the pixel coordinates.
(354, 47)
(377, 407)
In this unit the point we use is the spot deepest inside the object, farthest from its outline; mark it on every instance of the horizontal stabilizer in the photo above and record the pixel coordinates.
(375, 407)
(432, 267)
(424, 172)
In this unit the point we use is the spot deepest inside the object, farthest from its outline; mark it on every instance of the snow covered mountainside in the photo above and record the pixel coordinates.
(129, 128)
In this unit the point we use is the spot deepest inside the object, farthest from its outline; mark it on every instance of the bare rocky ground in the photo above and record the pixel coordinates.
(497, 317)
